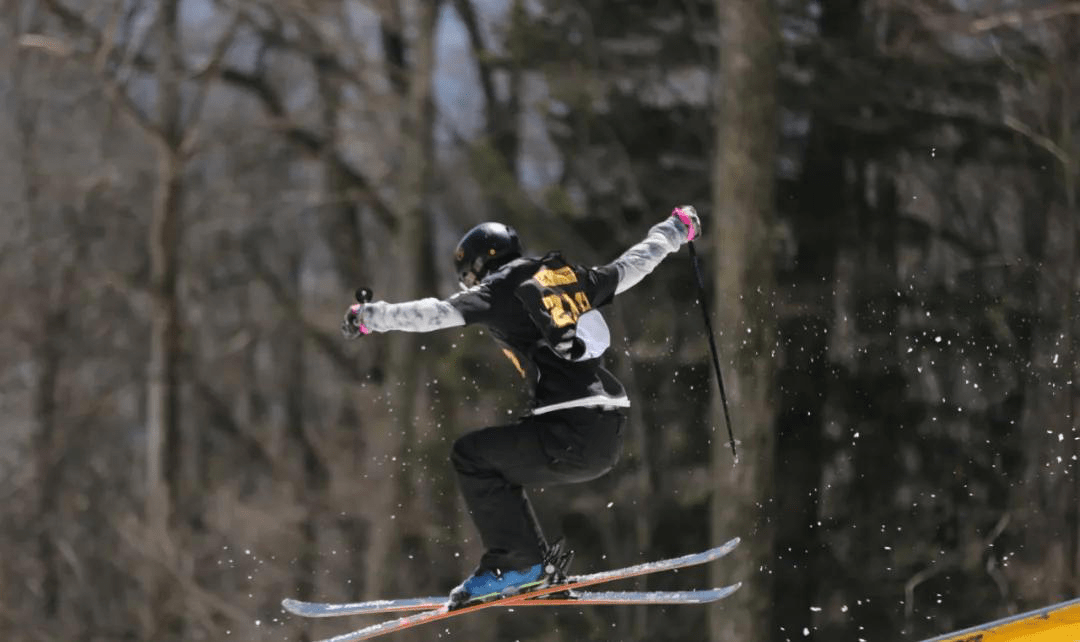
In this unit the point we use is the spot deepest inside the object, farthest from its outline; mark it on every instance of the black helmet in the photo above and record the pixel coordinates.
(483, 249)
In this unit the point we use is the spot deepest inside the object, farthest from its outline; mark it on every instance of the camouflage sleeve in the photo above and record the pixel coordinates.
(422, 315)
(641, 259)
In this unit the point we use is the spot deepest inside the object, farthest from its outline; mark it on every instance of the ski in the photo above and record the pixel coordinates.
(571, 583)
(614, 598)
(334, 609)
(626, 598)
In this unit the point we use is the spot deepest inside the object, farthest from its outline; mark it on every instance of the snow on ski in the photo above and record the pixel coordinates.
(621, 598)
(573, 582)
(331, 609)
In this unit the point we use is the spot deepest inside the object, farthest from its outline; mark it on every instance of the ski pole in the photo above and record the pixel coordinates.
(363, 295)
(712, 345)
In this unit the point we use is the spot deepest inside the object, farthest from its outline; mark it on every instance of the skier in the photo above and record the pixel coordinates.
(542, 311)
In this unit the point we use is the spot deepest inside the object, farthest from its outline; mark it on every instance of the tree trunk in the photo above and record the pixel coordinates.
(163, 381)
(744, 184)
(809, 287)
(413, 234)
(163, 468)
(878, 387)
(314, 475)
(1070, 177)
(47, 454)
(500, 117)
(48, 351)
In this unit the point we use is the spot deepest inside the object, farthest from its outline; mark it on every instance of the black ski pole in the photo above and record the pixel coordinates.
(712, 345)
(363, 295)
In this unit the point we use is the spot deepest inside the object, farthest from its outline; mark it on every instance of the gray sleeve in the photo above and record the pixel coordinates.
(641, 259)
(422, 315)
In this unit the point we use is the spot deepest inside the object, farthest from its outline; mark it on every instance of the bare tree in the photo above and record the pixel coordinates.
(1041, 106)
(413, 272)
(118, 58)
(52, 308)
(501, 116)
(743, 206)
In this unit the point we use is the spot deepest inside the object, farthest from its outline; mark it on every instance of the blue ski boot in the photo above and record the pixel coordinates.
(486, 585)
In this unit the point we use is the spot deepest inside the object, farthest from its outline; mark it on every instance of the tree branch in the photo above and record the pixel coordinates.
(955, 559)
(221, 411)
(255, 84)
(309, 141)
(326, 342)
(1020, 17)
(206, 76)
(1039, 140)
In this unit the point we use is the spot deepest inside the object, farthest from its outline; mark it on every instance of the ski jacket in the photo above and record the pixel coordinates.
(543, 312)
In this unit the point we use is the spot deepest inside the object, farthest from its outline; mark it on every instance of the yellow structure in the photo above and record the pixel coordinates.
(1058, 623)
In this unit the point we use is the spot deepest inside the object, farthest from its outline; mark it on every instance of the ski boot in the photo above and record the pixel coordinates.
(486, 585)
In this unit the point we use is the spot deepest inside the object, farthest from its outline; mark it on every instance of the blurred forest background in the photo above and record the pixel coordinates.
(192, 189)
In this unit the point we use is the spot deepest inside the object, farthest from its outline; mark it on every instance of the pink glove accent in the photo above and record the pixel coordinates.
(355, 309)
(686, 221)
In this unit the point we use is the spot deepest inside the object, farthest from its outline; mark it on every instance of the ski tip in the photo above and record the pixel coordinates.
(719, 593)
(728, 546)
(298, 607)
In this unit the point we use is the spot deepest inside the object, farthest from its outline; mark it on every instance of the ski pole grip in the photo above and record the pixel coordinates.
(363, 295)
(687, 221)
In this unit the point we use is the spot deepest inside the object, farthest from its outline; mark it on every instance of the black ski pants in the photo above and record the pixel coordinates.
(495, 465)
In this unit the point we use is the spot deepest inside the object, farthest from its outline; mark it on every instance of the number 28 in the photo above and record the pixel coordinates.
(565, 310)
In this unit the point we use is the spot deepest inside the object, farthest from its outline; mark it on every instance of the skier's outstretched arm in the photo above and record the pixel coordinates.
(663, 238)
(422, 315)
